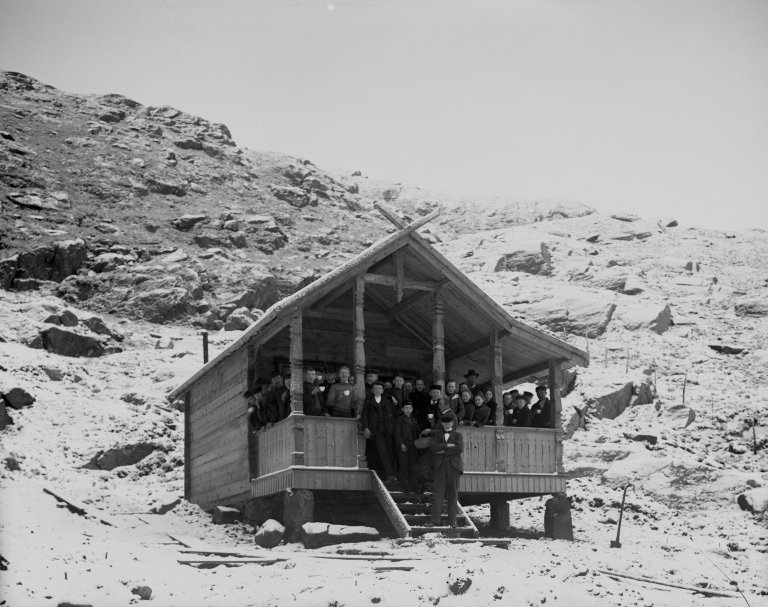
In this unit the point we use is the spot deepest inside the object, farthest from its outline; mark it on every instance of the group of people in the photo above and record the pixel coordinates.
(399, 415)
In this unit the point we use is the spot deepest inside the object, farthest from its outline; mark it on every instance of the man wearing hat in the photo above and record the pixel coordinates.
(540, 409)
(471, 378)
(446, 449)
(276, 401)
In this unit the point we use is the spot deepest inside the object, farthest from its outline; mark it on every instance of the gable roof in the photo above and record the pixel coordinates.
(462, 298)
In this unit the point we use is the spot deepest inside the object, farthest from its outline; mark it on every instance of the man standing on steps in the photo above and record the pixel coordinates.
(446, 448)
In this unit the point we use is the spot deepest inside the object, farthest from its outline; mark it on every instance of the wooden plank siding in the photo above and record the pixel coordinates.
(331, 442)
(275, 447)
(217, 434)
(519, 450)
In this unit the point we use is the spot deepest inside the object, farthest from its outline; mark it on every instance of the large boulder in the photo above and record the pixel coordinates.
(530, 257)
(17, 398)
(679, 416)
(161, 305)
(239, 320)
(613, 403)
(5, 418)
(582, 314)
(295, 197)
(52, 262)
(317, 535)
(98, 326)
(646, 315)
(270, 534)
(126, 455)
(68, 343)
(755, 501)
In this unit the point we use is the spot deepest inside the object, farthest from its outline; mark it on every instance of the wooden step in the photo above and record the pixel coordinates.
(445, 530)
(420, 519)
(410, 497)
(407, 508)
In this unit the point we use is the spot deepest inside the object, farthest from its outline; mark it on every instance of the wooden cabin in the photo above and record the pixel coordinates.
(398, 306)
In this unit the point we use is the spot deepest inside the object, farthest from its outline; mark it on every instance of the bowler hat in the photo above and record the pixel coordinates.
(472, 372)
(435, 387)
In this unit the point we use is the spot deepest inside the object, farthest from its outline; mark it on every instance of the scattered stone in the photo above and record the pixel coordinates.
(69, 343)
(165, 505)
(647, 438)
(17, 398)
(12, 464)
(223, 515)
(754, 500)
(737, 448)
(628, 217)
(557, 518)
(593, 238)
(144, 592)
(757, 308)
(98, 326)
(53, 373)
(460, 586)
(645, 316)
(239, 320)
(633, 286)
(187, 222)
(671, 224)
(127, 455)
(270, 534)
(680, 416)
(5, 418)
(298, 508)
(295, 197)
(724, 349)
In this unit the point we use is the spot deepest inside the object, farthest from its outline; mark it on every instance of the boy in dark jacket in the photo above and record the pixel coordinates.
(314, 403)
(406, 431)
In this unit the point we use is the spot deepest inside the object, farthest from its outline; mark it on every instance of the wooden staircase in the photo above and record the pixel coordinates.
(409, 513)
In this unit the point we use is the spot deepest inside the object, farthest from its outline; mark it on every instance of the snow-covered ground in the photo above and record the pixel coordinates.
(682, 524)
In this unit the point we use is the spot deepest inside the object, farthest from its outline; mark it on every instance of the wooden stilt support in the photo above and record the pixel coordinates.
(438, 339)
(499, 514)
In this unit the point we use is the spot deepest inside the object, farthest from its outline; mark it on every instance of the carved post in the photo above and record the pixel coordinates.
(438, 339)
(497, 372)
(358, 349)
(400, 275)
(555, 411)
(297, 365)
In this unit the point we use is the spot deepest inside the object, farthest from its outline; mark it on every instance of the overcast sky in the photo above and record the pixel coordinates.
(659, 107)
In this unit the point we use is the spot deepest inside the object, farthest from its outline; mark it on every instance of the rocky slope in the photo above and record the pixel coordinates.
(121, 224)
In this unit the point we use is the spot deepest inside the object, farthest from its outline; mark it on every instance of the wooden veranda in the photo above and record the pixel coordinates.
(398, 306)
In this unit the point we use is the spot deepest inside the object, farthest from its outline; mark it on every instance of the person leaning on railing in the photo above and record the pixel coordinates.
(340, 399)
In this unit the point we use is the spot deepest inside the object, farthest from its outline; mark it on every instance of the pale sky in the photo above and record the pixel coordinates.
(658, 107)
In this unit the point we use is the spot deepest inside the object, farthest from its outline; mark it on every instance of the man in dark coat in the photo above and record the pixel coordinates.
(446, 449)
(314, 403)
(540, 409)
(277, 404)
(378, 421)
(471, 378)
(420, 399)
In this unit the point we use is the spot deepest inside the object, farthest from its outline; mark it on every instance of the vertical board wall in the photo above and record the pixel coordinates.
(218, 435)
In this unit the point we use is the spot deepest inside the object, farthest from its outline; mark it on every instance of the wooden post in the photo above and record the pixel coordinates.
(400, 275)
(438, 339)
(555, 411)
(187, 446)
(358, 349)
(499, 514)
(497, 373)
(297, 364)
(205, 347)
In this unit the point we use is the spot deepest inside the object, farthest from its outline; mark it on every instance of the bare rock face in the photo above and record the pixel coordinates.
(51, 262)
(645, 315)
(270, 534)
(613, 403)
(532, 259)
(574, 313)
(258, 510)
(68, 343)
(239, 320)
(127, 455)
